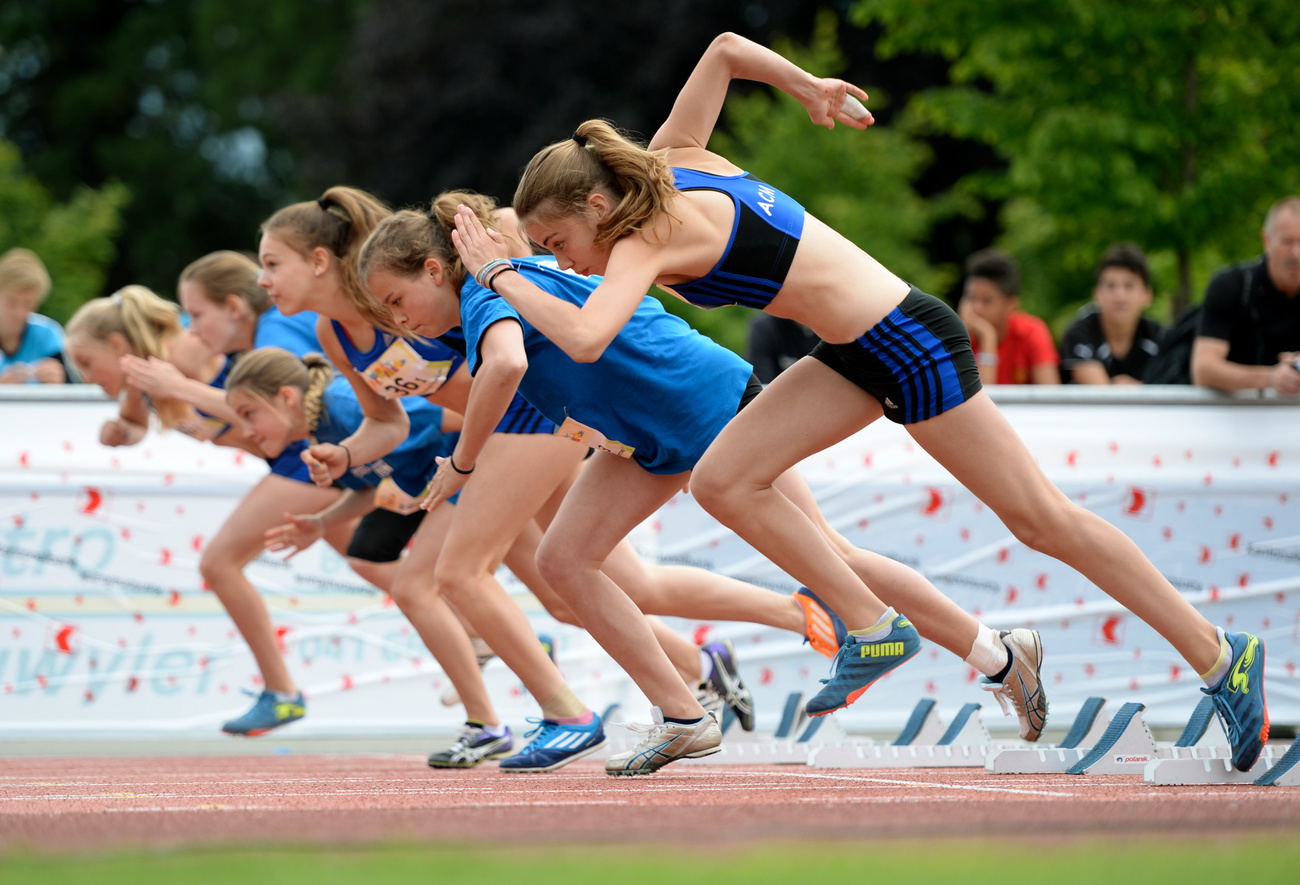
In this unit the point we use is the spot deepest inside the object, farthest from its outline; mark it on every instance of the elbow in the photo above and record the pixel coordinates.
(588, 348)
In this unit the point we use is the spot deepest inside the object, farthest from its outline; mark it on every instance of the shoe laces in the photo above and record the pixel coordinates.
(543, 729)
(999, 691)
(835, 666)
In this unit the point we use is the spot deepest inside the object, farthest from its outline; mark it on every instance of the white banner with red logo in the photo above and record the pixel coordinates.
(106, 628)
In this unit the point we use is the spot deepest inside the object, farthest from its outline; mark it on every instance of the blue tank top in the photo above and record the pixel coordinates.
(660, 393)
(296, 334)
(410, 465)
(764, 236)
(395, 367)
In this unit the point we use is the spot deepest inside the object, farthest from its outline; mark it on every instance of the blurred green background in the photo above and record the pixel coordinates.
(137, 136)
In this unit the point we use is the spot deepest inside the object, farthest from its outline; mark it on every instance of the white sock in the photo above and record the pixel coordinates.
(495, 731)
(879, 630)
(285, 697)
(1220, 668)
(988, 653)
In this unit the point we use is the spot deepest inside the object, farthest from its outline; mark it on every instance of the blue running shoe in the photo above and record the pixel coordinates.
(268, 712)
(1239, 700)
(822, 628)
(554, 745)
(859, 664)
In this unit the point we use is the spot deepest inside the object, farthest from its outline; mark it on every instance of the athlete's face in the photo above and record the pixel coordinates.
(1121, 295)
(288, 276)
(218, 326)
(269, 423)
(427, 303)
(100, 362)
(572, 238)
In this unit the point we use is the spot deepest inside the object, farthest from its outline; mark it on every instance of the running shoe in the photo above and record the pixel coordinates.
(1021, 689)
(268, 712)
(472, 746)
(450, 696)
(822, 628)
(554, 745)
(709, 699)
(726, 682)
(859, 664)
(667, 742)
(1239, 700)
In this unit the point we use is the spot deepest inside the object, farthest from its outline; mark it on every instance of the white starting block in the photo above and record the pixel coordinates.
(1086, 730)
(1209, 760)
(964, 744)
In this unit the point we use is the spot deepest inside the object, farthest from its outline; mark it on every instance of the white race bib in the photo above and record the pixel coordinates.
(400, 371)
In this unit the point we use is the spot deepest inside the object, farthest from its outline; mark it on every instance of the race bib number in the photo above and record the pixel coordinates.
(400, 371)
(389, 496)
(589, 436)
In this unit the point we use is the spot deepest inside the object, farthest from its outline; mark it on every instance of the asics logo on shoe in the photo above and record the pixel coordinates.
(880, 649)
(1239, 681)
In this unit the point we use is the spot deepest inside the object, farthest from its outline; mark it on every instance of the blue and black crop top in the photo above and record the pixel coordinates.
(764, 236)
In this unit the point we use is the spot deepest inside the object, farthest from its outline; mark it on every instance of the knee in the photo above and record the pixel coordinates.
(216, 564)
(1048, 528)
(407, 590)
(715, 487)
(454, 581)
(557, 562)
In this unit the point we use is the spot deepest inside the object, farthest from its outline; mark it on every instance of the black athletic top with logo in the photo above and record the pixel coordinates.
(1085, 341)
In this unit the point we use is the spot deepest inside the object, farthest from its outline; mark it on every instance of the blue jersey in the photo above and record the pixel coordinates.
(660, 393)
(409, 466)
(395, 367)
(296, 334)
(764, 236)
(42, 338)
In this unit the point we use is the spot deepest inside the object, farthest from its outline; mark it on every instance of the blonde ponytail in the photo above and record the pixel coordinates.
(264, 371)
(148, 323)
(559, 179)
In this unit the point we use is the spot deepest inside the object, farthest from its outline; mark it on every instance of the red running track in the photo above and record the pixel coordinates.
(56, 804)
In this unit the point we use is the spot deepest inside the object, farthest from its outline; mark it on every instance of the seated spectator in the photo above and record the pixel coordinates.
(1112, 342)
(1011, 346)
(31, 345)
(776, 344)
(1249, 334)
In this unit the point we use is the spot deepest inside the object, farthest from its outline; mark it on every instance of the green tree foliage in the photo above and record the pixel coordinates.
(74, 238)
(174, 99)
(859, 183)
(1170, 123)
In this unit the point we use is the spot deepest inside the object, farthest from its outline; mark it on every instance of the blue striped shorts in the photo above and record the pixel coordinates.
(917, 361)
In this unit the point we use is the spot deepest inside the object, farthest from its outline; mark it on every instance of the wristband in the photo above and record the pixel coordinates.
(492, 280)
(451, 459)
(986, 359)
(349, 453)
(480, 276)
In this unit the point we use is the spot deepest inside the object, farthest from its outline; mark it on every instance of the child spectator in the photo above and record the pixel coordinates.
(1011, 346)
(1112, 342)
(31, 345)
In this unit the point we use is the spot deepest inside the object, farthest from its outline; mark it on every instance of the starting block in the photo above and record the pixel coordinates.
(1085, 732)
(1208, 760)
(923, 743)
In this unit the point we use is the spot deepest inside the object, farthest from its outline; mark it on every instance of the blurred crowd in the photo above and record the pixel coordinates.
(1244, 335)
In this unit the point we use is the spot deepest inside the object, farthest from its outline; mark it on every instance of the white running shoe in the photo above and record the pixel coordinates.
(667, 742)
(1022, 688)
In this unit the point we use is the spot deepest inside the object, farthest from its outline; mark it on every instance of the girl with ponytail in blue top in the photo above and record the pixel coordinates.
(680, 216)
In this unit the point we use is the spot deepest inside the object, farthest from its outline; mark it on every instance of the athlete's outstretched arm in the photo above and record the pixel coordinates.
(583, 332)
(732, 57)
(384, 425)
(503, 362)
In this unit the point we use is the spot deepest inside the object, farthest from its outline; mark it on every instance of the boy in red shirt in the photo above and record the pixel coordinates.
(1011, 346)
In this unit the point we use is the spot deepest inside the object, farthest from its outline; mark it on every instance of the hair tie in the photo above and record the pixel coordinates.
(329, 207)
(580, 139)
(116, 298)
(433, 218)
